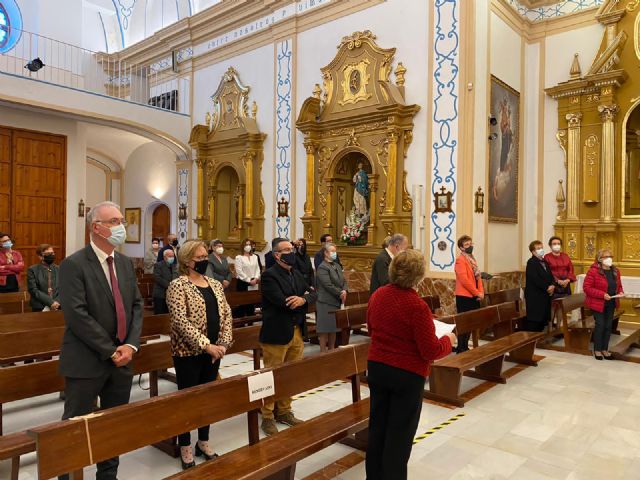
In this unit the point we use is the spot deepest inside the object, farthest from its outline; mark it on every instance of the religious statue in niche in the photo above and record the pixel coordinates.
(354, 230)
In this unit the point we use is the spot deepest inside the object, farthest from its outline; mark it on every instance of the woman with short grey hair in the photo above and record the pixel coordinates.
(332, 292)
(218, 267)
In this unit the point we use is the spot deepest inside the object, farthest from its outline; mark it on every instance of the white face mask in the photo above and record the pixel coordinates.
(219, 250)
(607, 262)
(556, 248)
(247, 248)
(540, 252)
(118, 235)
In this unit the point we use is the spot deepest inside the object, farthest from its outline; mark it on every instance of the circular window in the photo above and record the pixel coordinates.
(10, 25)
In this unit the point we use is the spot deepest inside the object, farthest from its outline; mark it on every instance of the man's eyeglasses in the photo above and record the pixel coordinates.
(114, 222)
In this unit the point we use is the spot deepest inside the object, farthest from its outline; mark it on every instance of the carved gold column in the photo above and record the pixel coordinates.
(329, 184)
(248, 168)
(310, 147)
(392, 166)
(212, 207)
(240, 207)
(608, 114)
(573, 164)
(201, 162)
(373, 208)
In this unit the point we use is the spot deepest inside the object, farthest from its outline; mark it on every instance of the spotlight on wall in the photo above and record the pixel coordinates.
(34, 65)
(493, 121)
(493, 136)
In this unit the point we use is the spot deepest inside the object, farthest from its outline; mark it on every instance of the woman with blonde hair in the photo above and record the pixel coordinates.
(601, 284)
(201, 332)
(403, 346)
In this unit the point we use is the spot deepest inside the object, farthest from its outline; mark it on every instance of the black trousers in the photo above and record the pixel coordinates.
(602, 332)
(465, 304)
(192, 371)
(113, 389)
(160, 306)
(396, 403)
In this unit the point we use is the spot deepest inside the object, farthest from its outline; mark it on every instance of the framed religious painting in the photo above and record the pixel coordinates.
(133, 218)
(504, 158)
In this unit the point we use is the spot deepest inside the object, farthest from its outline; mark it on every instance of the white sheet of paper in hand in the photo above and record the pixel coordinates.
(443, 328)
(620, 295)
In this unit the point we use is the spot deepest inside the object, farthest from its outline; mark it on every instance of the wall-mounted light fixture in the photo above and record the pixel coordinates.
(479, 200)
(182, 212)
(81, 208)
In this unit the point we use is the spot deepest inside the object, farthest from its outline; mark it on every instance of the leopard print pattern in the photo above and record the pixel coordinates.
(189, 317)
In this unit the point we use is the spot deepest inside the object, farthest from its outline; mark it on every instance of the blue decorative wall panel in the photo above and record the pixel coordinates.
(560, 9)
(284, 110)
(445, 84)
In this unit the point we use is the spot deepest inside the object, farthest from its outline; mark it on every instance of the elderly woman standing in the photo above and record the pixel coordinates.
(332, 292)
(200, 333)
(403, 345)
(601, 283)
(469, 288)
(151, 257)
(218, 267)
(11, 265)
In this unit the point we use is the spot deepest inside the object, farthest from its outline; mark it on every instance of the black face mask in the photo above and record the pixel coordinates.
(201, 266)
(49, 259)
(469, 250)
(288, 258)
(175, 242)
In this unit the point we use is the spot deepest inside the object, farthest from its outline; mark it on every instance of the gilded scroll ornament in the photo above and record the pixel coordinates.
(352, 140)
(407, 203)
(317, 91)
(382, 152)
(608, 112)
(631, 246)
(561, 136)
(355, 81)
(590, 246)
(573, 119)
(607, 241)
(591, 170)
(355, 39)
(400, 73)
(632, 5)
(572, 245)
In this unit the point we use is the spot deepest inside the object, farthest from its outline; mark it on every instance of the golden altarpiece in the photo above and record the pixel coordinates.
(357, 123)
(599, 131)
(229, 156)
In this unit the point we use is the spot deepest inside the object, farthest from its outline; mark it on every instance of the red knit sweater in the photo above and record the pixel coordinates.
(402, 331)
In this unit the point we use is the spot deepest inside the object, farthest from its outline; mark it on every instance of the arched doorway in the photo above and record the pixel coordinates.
(631, 140)
(344, 186)
(227, 198)
(161, 222)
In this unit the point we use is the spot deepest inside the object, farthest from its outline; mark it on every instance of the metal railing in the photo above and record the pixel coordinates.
(81, 69)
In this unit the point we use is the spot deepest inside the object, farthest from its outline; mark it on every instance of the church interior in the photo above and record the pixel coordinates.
(499, 134)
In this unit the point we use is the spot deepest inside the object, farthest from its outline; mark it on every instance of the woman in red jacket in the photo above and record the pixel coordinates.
(11, 265)
(561, 268)
(403, 345)
(469, 288)
(600, 284)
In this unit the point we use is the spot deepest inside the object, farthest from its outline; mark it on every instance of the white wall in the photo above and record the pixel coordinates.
(317, 47)
(150, 172)
(96, 185)
(503, 240)
(256, 70)
(558, 58)
(76, 162)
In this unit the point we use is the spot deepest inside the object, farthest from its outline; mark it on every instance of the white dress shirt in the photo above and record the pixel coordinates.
(102, 258)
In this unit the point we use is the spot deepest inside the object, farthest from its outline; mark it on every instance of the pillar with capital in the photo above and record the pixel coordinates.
(573, 164)
(608, 114)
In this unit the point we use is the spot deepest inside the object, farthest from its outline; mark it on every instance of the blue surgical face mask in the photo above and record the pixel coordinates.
(540, 252)
(333, 255)
(118, 235)
(7, 244)
(170, 260)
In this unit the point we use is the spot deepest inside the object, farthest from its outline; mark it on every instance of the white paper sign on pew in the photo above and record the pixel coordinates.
(261, 386)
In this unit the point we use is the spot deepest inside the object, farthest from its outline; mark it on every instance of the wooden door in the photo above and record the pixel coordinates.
(38, 193)
(5, 180)
(161, 222)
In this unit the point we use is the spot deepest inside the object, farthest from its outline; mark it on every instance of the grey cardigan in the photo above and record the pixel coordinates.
(330, 282)
(219, 269)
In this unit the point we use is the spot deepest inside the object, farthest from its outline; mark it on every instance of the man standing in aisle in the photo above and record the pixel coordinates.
(103, 320)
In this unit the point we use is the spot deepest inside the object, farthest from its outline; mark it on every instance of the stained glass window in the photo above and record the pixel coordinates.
(4, 26)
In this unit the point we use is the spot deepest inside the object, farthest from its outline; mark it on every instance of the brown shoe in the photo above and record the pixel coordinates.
(288, 419)
(269, 426)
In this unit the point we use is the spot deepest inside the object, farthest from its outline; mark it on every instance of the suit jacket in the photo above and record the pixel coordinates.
(90, 336)
(219, 269)
(38, 285)
(269, 260)
(278, 320)
(167, 247)
(380, 271)
(303, 265)
(538, 301)
(330, 282)
(163, 274)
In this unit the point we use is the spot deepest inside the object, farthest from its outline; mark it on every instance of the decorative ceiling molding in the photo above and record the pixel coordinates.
(541, 10)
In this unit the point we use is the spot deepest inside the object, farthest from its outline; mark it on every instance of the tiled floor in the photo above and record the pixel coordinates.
(570, 418)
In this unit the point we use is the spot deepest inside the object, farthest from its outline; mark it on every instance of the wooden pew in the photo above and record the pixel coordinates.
(576, 333)
(30, 380)
(484, 362)
(69, 446)
(30, 321)
(15, 302)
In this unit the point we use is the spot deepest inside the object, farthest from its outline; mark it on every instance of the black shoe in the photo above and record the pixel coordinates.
(598, 357)
(608, 357)
(186, 465)
(200, 453)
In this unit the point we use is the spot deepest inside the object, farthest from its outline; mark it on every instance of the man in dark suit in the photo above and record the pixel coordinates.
(163, 273)
(103, 320)
(319, 257)
(269, 259)
(380, 271)
(172, 244)
(285, 300)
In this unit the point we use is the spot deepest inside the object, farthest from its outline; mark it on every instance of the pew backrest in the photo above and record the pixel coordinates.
(70, 445)
(503, 296)
(30, 321)
(14, 302)
(484, 318)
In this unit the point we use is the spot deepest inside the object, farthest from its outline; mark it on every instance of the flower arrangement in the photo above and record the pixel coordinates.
(354, 230)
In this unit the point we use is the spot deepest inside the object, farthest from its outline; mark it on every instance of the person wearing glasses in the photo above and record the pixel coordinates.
(286, 296)
(42, 280)
(201, 333)
(103, 321)
(601, 284)
(11, 265)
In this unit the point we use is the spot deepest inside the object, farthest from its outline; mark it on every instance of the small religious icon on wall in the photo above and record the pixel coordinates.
(443, 201)
(283, 208)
